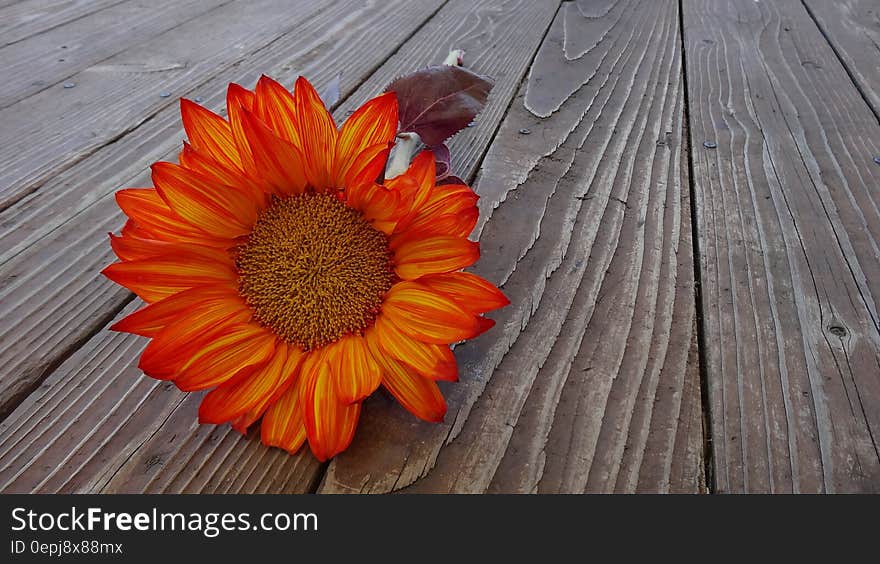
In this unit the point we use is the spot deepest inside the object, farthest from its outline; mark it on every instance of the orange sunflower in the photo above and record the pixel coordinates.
(279, 274)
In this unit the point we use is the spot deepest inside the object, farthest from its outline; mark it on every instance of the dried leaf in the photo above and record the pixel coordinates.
(438, 102)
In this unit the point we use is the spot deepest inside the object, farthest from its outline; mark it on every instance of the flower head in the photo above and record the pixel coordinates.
(283, 277)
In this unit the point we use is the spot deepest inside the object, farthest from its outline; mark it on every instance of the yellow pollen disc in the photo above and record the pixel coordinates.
(314, 270)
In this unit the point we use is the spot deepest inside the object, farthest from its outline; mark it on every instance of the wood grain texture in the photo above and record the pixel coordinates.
(852, 28)
(788, 226)
(52, 57)
(52, 296)
(584, 384)
(120, 93)
(22, 19)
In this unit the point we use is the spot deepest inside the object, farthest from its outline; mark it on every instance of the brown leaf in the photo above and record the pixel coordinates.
(438, 102)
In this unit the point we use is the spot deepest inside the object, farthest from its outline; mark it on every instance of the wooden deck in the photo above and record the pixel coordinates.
(681, 198)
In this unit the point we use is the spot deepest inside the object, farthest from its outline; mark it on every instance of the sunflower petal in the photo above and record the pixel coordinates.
(132, 229)
(242, 422)
(233, 399)
(239, 99)
(416, 184)
(449, 196)
(378, 204)
(468, 290)
(317, 135)
(356, 374)
(183, 337)
(222, 211)
(129, 247)
(454, 224)
(417, 255)
(330, 423)
(483, 325)
(284, 422)
(242, 347)
(368, 166)
(209, 133)
(151, 214)
(279, 163)
(194, 160)
(156, 278)
(435, 362)
(373, 123)
(274, 105)
(416, 394)
(428, 316)
(295, 358)
(151, 319)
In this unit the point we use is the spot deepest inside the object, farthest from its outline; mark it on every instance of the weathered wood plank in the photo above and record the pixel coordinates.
(118, 94)
(584, 383)
(51, 294)
(852, 27)
(788, 233)
(20, 20)
(45, 60)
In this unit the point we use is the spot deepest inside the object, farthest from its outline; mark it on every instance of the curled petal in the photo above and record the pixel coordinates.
(367, 166)
(378, 204)
(415, 185)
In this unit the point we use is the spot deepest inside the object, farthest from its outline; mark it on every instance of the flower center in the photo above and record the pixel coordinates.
(314, 270)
